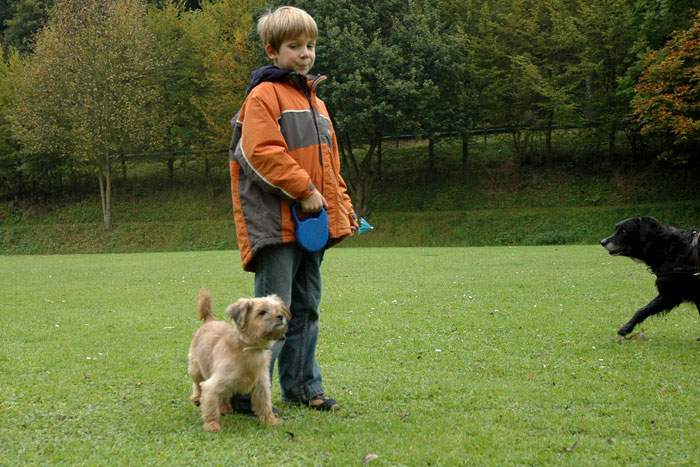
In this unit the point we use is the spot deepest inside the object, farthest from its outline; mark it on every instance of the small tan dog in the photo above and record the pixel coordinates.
(226, 360)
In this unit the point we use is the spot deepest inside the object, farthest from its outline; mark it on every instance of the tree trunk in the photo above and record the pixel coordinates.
(431, 154)
(465, 151)
(171, 170)
(520, 145)
(122, 161)
(105, 178)
(207, 171)
(360, 174)
(379, 160)
(611, 141)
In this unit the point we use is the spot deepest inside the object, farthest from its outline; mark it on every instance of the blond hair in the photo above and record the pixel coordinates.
(286, 22)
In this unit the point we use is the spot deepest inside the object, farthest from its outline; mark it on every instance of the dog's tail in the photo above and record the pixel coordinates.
(204, 305)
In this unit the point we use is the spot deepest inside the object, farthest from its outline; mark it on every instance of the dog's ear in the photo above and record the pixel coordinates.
(649, 226)
(281, 306)
(238, 311)
(286, 313)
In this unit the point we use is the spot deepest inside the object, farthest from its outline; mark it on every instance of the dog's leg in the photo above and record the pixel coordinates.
(261, 400)
(211, 405)
(196, 375)
(226, 404)
(196, 393)
(658, 305)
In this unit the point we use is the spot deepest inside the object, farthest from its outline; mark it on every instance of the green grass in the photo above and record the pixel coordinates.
(480, 356)
(478, 227)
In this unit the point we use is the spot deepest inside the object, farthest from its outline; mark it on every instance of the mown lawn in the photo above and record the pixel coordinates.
(479, 356)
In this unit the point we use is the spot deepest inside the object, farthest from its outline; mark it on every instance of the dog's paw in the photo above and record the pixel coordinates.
(624, 330)
(212, 427)
(637, 335)
(270, 420)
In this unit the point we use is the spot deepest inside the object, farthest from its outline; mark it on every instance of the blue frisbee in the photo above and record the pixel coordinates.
(312, 231)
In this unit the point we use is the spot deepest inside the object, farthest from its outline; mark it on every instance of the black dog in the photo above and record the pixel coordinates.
(670, 253)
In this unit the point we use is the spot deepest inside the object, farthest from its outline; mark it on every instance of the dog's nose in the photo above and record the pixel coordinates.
(603, 242)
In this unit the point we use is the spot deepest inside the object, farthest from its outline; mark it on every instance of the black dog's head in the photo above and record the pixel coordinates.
(633, 237)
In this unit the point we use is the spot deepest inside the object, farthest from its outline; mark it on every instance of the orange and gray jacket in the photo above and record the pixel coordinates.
(283, 147)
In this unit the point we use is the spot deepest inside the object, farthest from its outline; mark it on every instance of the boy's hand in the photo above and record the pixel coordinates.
(354, 224)
(313, 203)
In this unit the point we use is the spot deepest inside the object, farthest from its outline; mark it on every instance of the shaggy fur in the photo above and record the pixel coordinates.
(670, 253)
(226, 359)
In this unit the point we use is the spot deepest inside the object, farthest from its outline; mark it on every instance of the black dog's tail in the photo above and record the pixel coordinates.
(204, 305)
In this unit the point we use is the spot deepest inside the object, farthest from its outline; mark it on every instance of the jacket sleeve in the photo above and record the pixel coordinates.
(263, 153)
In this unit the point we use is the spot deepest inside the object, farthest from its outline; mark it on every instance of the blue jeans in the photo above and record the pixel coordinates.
(295, 275)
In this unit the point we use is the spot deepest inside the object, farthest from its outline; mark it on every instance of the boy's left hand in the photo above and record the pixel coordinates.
(313, 203)
(354, 224)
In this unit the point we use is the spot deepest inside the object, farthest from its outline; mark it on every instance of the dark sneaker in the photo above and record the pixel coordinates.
(319, 402)
(241, 404)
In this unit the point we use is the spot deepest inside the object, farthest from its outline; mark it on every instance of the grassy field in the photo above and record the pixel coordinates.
(442, 356)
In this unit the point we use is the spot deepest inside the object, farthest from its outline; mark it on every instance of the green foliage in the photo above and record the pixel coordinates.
(605, 58)
(6, 11)
(89, 89)
(394, 67)
(27, 17)
(437, 356)
(9, 150)
(667, 100)
(528, 53)
(657, 19)
(220, 34)
(180, 79)
(373, 88)
(440, 53)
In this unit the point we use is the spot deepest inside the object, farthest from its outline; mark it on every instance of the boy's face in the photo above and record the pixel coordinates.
(296, 54)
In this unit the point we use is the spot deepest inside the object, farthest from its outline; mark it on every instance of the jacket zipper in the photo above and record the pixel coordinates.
(314, 114)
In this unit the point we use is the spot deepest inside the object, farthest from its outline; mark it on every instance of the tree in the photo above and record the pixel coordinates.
(28, 17)
(221, 33)
(89, 88)
(527, 51)
(444, 64)
(375, 88)
(667, 100)
(181, 80)
(6, 12)
(9, 149)
(607, 52)
(658, 19)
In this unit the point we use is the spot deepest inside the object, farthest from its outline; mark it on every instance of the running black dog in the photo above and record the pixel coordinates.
(671, 254)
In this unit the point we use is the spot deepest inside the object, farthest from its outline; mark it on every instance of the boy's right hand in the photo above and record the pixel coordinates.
(313, 203)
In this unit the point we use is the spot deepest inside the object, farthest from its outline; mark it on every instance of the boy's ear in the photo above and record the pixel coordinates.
(270, 52)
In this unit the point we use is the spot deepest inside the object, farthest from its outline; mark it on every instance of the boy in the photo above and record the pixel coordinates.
(288, 153)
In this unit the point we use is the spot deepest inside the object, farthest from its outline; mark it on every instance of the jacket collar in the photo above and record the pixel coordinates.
(273, 73)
